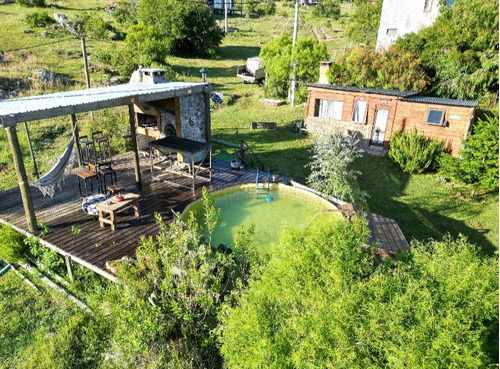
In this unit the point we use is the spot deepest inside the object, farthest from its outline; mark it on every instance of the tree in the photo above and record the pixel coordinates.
(327, 9)
(478, 161)
(189, 28)
(324, 302)
(363, 27)
(363, 67)
(330, 172)
(169, 298)
(460, 51)
(143, 45)
(277, 57)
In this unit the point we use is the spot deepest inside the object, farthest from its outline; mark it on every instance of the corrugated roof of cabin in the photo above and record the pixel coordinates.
(404, 95)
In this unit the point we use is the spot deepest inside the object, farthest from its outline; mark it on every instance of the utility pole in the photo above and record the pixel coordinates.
(225, 16)
(294, 41)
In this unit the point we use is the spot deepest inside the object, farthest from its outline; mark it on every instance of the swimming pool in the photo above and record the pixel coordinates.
(243, 205)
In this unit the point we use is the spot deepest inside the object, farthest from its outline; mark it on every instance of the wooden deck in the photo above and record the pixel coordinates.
(93, 246)
(78, 235)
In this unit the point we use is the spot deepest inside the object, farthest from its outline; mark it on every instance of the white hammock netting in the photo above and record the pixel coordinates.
(55, 177)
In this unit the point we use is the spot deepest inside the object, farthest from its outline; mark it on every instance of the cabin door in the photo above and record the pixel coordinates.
(378, 133)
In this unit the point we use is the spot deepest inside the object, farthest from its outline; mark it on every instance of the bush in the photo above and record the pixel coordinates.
(96, 27)
(478, 162)
(32, 3)
(330, 173)
(435, 308)
(327, 9)
(12, 247)
(415, 153)
(276, 56)
(268, 8)
(39, 19)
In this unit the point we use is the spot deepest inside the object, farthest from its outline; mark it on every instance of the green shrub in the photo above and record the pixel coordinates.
(478, 162)
(32, 3)
(48, 257)
(267, 8)
(96, 27)
(39, 19)
(327, 9)
(415, 153)
(12, 247)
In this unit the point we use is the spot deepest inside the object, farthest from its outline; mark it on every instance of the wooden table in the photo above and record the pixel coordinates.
(112, 206)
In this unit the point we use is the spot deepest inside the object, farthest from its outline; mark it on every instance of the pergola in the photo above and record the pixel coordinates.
(33, 108)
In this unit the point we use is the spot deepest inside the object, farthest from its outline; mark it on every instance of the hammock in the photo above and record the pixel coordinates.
(55, 177)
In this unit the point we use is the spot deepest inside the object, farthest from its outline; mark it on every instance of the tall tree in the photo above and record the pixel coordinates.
(277, 57)
(364, 22)
(189, 27)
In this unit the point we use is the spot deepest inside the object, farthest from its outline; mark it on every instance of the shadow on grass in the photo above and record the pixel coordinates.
(232, 52)
(423, 214)
(212, 72)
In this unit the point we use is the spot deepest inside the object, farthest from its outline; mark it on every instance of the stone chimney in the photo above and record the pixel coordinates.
(323, 67)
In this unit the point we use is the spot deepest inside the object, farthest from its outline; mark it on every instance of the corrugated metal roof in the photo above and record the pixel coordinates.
(441, 101)
(72, 102)
(365, 90)
(405, 95)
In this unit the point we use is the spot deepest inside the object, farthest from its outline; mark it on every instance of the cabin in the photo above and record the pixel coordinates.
(374, 114)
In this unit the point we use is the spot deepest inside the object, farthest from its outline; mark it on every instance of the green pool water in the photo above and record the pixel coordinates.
(289, 207)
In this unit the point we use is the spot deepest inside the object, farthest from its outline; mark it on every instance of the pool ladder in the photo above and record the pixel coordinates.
(264, 189)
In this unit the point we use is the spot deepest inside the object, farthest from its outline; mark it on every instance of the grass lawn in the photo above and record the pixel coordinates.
(45, 330)
(425, 208)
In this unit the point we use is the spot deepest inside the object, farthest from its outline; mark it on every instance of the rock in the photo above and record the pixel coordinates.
(50, 78)
(28, 31)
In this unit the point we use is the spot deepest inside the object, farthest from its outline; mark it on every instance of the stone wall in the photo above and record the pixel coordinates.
(321, 127)
(193, 120)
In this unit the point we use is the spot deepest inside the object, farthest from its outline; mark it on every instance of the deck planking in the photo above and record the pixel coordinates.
(63, 213)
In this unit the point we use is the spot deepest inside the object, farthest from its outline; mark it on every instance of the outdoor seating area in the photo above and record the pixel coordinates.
(97, 161)
(79, 235)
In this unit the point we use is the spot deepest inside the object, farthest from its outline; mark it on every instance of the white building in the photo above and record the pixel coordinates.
(400, 17)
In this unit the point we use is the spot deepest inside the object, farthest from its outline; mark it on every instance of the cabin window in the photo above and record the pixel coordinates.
(392, 31)
(360, 111)
(427, 5)
(435, 117)
(330, 109)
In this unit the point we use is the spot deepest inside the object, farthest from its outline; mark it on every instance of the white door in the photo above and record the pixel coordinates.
(380, 126)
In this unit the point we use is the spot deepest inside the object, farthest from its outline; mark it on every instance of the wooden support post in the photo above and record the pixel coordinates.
(29, 209)
(178, 129)
(208, 120)
(76, 137)
(67, 259)
(85, 62)
(31, 150)
(133, 138)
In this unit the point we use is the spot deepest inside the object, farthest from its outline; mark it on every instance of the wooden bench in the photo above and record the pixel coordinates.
(112, 206)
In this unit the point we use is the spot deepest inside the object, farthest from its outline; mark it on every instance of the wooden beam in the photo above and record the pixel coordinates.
(76, 137)
(178, 125)
(133, 138)
(29, 209)
(208, 121)
(62, 252)
(67, 259)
